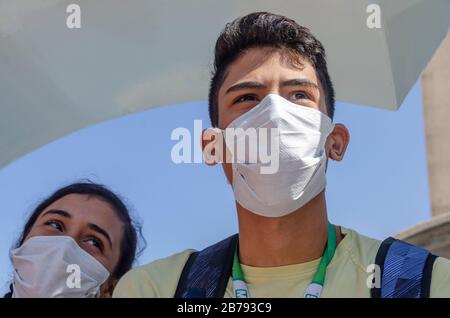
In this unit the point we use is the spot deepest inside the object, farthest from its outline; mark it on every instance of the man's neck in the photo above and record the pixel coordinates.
(293, 239)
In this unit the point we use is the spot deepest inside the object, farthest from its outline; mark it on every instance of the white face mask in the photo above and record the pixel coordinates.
(302, 158)
(55, 266)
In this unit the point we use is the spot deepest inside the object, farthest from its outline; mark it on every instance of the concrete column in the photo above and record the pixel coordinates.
(436, 102)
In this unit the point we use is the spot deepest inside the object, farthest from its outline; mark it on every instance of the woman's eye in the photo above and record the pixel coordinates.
(245, 98)
(56, 225)
(95, 242)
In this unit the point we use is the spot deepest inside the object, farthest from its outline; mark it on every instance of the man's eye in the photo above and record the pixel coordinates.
(300, 95)
(245, 98)
(56, 225)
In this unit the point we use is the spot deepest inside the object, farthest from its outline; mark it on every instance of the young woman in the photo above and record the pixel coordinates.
(77, 243)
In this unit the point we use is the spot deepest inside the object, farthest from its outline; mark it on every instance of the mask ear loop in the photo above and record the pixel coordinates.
(98, 292)
(228, 151)
(328, 135)
(93, 293)
(223, 148)
(229, 154)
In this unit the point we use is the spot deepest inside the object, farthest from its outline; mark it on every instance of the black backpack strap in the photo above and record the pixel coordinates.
(406, 270)
(207, 272)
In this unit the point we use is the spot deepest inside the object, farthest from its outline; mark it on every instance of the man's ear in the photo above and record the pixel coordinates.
(212, 144)
(337, 142)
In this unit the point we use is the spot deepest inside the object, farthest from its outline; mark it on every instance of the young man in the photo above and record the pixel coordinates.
(271, 73)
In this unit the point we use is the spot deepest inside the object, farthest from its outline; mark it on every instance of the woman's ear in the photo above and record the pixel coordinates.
(107, 289)
(212, 144)
(337, 142)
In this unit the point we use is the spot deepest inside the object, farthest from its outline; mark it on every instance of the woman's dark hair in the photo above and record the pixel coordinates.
(132, 229)
(263, 29)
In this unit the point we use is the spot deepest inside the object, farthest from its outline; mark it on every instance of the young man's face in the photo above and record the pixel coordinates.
(262, 71)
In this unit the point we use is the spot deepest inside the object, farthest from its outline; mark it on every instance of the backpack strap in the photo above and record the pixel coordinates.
(207, 272)
(405, 270)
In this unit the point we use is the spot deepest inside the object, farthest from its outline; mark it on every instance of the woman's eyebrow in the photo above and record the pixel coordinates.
(62, 213)
(93, 227)
(101, 231)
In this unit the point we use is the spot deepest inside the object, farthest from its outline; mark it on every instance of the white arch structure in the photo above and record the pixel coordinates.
(134, 55)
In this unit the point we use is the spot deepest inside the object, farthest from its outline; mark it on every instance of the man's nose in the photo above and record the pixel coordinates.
(273, 89)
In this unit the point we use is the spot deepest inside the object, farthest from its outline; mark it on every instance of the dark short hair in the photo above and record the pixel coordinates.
(263, 29)
(132, 229)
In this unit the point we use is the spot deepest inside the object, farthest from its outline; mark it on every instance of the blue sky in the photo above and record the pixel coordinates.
(379, 189)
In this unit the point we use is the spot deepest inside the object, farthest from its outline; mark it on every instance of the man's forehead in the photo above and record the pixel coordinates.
(267, 64)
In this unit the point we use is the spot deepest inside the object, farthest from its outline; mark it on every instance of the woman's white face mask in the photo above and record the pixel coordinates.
(55, 266)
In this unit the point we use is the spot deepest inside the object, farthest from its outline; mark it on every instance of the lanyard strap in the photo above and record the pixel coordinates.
(313, 290)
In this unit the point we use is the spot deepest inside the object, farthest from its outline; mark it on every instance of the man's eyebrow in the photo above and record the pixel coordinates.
(62, 213)
(103, 232)
(245, 85)
(300, 82)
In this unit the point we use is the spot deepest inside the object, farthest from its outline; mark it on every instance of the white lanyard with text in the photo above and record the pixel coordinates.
(314, 289)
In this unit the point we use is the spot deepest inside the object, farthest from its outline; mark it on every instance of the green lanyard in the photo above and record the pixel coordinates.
(313, 290)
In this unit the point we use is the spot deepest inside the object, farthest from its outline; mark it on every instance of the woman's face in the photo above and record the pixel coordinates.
(91, 222)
